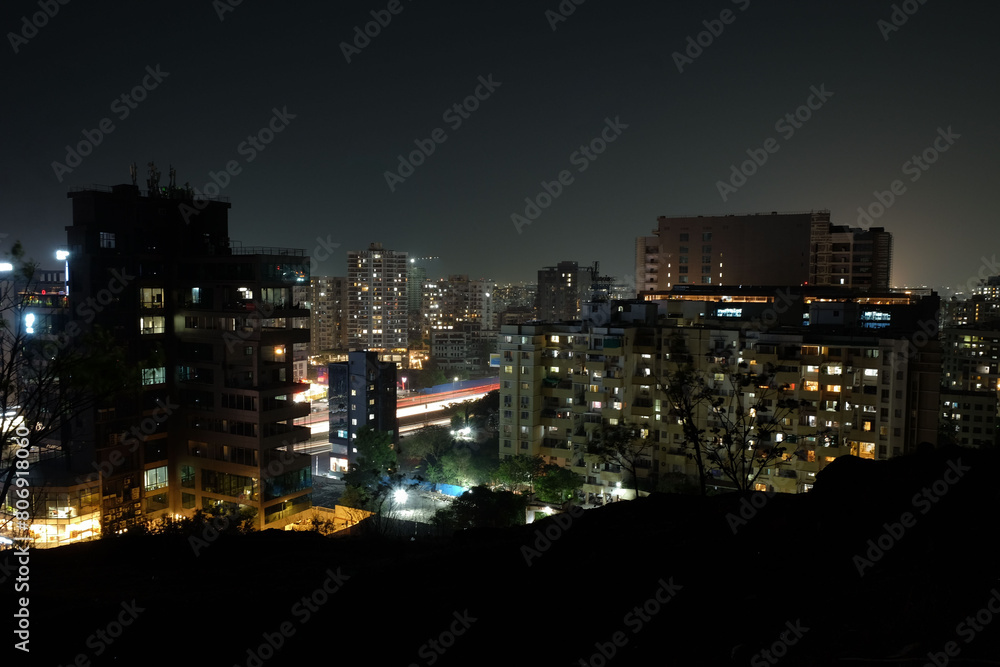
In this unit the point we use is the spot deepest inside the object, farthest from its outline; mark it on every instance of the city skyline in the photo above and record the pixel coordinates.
(615, 115)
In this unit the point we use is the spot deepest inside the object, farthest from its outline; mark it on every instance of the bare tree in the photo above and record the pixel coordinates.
(742, 416)
(49, 376)
(625, 446)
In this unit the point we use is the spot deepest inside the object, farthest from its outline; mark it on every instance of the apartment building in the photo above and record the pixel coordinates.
(762, 249)
(971, 357)
(377, 300)
(864, 389)
(561, 291)
(362, 392)
(970, 418)
(328, 314)
(212, 326)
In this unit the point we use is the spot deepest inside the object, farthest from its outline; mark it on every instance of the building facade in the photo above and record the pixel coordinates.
(864, 390)
(970, 418)
(762, 249)
(377, 300)
(971, 357)
(212, 326)
(561, 291)
(362, 392)
(328, 314)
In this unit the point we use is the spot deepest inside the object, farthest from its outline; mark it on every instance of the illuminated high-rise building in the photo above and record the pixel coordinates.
(377, 300)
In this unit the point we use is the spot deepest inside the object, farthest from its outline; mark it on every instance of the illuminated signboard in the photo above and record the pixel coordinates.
(875, 319)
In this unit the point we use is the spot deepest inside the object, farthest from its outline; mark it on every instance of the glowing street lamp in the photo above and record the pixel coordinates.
(400, 496)
(63, 256)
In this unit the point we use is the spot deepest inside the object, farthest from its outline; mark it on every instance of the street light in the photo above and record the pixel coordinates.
(63, 256)
(400, 496)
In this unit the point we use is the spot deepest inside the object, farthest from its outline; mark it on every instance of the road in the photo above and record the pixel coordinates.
(413, 411)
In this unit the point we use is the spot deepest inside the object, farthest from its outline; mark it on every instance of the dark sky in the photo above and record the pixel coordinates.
(323, 175)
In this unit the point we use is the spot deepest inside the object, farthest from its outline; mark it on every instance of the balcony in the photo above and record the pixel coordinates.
(644, 346)
(291, 436)
(556, 448)
(612, 383)
(559, 419)
(640, 378)
(644, 411)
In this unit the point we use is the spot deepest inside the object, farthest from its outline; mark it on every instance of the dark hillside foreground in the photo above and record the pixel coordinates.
(882, 563)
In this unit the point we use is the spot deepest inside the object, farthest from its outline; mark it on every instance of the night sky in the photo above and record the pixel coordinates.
(888, 92)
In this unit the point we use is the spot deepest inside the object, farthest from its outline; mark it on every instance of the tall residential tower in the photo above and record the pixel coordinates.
(377, 300)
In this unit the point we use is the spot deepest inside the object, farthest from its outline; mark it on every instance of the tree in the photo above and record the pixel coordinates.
(201, 523)
(482, 507)
(375, 461)
(442, 459)
(322, 525)
(375, 450)
(430, 375)
(557, 484)
(741, 439)
(517, 473)
(427, 444)
(623, 445)
(483, 413)
(378, 498)
(373, 481)
(46, 380)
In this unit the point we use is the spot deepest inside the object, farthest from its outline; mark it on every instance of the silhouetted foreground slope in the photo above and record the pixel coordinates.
(678, 581)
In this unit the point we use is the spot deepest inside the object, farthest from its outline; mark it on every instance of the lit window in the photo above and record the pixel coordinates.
(154, 375)
(151, 297)
(156, 478)
(151, 325)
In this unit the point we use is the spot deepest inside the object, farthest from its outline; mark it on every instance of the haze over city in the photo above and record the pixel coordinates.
(835, 99)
